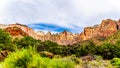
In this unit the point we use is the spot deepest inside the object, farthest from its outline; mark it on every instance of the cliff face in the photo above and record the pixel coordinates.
(24, 29)
(15, 31)
(62, 38)
(105, 29)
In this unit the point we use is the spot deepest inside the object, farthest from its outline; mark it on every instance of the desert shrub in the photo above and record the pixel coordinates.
(28, 58)
(57, 56)
(74, 58)
(98, 57)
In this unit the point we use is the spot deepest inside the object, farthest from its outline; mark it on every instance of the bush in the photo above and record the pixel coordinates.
(26, 42)
(28, 58)
(115, 62)
(108, 51)
(74, 58)
(5, 41)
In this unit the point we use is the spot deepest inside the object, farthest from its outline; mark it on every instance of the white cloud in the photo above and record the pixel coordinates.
(60, 12)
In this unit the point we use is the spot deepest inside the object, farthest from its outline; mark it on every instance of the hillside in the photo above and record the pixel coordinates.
(15, 31)
(96, 33)
(114, 38)
(37, 47)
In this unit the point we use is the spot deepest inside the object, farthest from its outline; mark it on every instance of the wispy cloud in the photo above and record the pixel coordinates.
(54, 28)
(63, 13)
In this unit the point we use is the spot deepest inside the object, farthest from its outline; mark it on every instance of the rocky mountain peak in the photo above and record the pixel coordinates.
(107, 28)
(40, 33)
(15, 31)
(48, 33)
(65, 32)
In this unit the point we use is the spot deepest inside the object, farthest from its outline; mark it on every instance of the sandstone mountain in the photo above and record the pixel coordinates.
(24, 28)
(106, 28)
(15, 31)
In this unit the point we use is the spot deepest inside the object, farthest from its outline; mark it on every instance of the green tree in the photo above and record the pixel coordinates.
(107, 51)
(5, 40)
(26, 42)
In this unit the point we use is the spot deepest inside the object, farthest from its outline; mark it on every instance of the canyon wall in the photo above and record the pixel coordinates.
(105, 29)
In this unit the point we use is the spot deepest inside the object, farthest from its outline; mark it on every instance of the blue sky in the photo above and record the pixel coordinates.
(53, 28)
(58, 15)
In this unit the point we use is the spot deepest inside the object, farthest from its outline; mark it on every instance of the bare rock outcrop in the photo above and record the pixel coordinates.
(15, 31)
(106, 28)
(3, 55)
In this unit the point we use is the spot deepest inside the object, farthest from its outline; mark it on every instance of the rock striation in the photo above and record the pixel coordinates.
(24, 28)
(106, 28)
(15, 31)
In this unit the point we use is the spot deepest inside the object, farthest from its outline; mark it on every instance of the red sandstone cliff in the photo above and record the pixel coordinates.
(15, 31)
(105, 29)
(26, 29)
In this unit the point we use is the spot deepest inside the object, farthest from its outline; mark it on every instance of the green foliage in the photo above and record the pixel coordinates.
(5, 41)
(108, 51)
(114, 38)
(26, 42)
(50, 46)
(28, 58)
(74, 58)
(116, 62)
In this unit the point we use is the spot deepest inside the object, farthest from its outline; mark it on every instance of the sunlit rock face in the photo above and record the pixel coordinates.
(63, 38)
(40, 33)
(15, 31)
(105, 29)
(24, 28)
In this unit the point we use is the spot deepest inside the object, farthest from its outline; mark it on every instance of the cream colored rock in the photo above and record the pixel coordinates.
(105, 29)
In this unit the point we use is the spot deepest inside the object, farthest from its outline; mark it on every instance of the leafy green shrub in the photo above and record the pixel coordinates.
(115, 62)
(28, 58)
(108, 51)
(19, 59)
(26, 42)
(73, 58)
(5, 41)
(57, 56)
(98, 57)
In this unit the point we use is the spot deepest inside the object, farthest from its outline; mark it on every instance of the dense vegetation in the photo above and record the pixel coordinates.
(106, 50)
(28, 58)
(26, 52)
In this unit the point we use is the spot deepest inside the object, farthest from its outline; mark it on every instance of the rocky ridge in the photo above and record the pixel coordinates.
(106, 28)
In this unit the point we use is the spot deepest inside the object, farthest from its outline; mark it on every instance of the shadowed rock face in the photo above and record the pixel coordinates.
(106, 28)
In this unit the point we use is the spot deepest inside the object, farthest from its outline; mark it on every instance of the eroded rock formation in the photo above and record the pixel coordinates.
(15, 31)
(105, 29)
